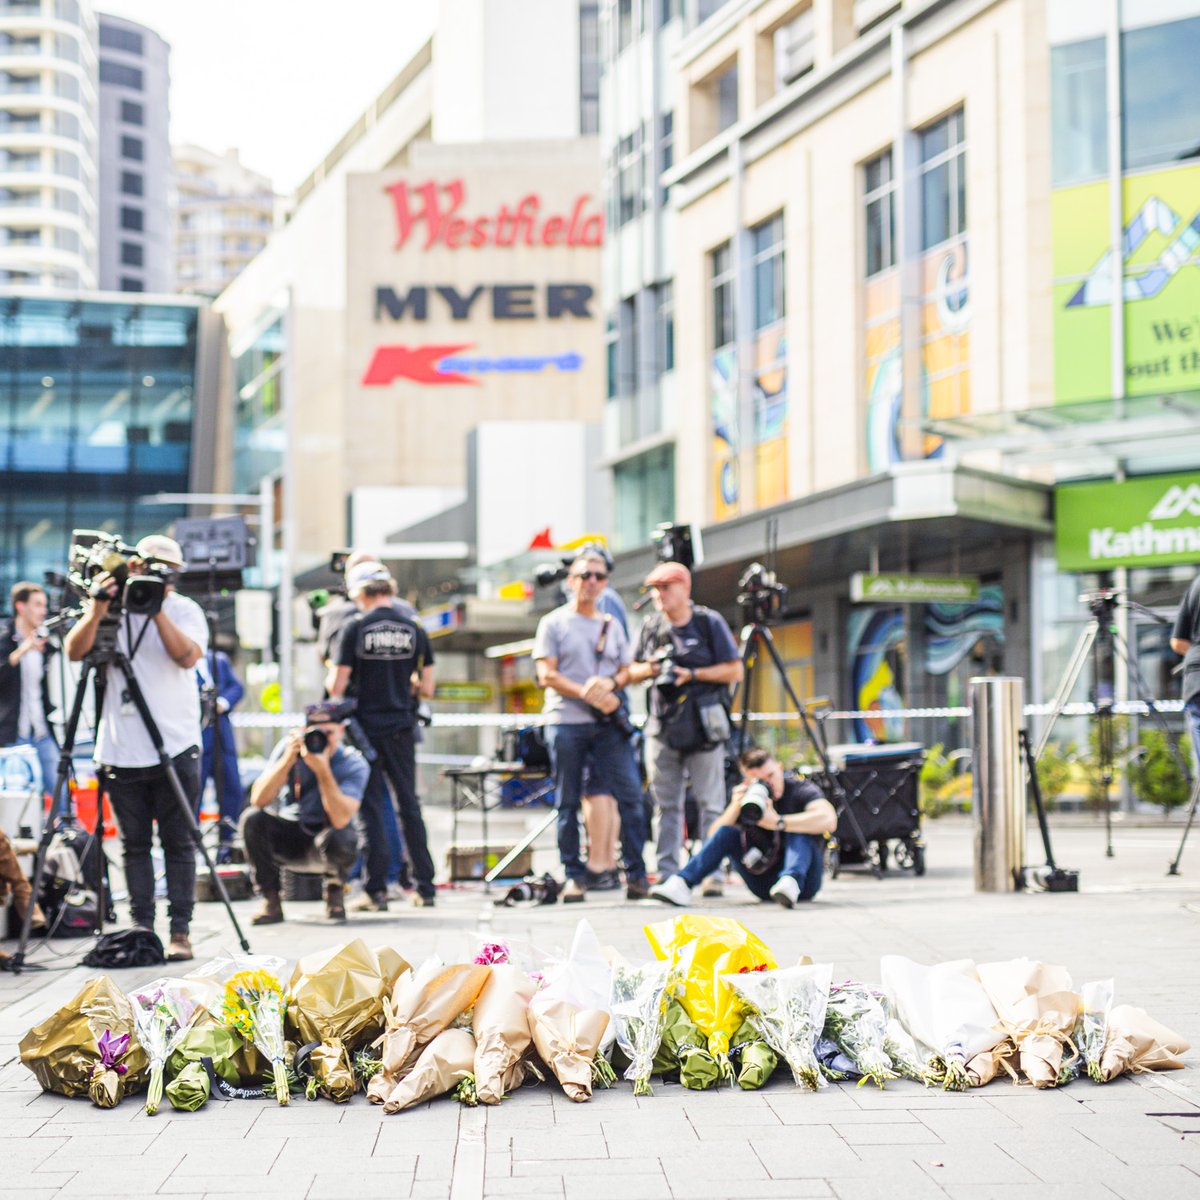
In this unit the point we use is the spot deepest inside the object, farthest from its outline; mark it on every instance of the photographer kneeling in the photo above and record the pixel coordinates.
(772, 831)
(322, 781)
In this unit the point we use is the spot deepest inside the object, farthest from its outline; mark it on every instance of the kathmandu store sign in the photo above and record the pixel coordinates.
(438, 365)
(437, 214)
(1146, 522)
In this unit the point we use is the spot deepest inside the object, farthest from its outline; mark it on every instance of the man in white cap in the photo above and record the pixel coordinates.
(163, 651)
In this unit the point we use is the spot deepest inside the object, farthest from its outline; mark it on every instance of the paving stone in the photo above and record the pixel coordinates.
(528, 1185)
(584, 1146)
(898, 1134)
(1020, 1191)
(967, 1161)
(642, 1186)
(381, 1186)
(1153, 1183)
(292, 1183)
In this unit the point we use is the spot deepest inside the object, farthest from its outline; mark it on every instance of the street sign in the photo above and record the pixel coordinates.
(464, 692)
(912, 589)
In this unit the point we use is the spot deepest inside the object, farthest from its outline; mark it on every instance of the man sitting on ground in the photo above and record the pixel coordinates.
(781, 854)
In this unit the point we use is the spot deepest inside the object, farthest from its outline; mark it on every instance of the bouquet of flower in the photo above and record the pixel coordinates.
(834, 1062)
(422, 1005)
(568, 1040)
(1136, 1043)
(908, 1060)
(751, 1057)
(190, 1089)
(445, 1061)
(491, 953)
(254, 1006)
(703, 951)
(683, 1048)
(787, 1006)
(639, 1008)
(1090, 1032)
(856, 1020)
(582, 978)
(501, 1027)
(88, 1047)
(946, 1008)
(1037, 1009)
(163, 1012)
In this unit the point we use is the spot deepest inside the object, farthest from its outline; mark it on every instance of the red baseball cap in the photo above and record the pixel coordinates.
(668, 572)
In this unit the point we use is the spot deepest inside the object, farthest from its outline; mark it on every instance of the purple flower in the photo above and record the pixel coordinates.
(111, 1049)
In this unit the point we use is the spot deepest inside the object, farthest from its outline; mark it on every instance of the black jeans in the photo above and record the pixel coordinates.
(395, 763)
(272, 841)
(140, 796)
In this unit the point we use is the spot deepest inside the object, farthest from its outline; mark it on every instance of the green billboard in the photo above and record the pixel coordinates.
(1146, 522)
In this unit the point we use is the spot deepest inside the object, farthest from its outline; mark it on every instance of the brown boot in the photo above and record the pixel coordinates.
(180, 949)
(271, 912)
(335, 900)
(12, 879)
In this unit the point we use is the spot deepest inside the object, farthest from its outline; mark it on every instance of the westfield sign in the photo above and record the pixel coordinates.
(436, 214)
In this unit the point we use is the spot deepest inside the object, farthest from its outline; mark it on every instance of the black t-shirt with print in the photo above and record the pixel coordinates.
(383, 648)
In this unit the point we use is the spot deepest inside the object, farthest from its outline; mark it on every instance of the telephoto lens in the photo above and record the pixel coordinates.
(754, 803)
(315, 741)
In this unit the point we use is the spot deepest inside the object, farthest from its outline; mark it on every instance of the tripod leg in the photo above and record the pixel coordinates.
(1173, 869)
(181, 797)
(744, 690)
(59, 803)
(1078, 657)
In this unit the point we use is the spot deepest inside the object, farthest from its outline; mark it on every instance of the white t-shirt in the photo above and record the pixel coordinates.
(32, 720)
(170, 690)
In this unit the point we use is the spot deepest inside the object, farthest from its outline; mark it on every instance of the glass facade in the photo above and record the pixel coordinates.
(97, 402)
(258, 438)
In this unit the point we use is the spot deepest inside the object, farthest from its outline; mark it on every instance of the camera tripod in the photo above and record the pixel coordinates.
(93, 664)
(1100, 639)
(756, 635)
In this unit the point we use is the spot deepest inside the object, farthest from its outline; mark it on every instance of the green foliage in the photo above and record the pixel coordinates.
(942, 789)
(1156, 775)
(1054, 772)
(1097, 794)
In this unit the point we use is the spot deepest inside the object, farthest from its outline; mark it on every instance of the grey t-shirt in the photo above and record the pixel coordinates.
(572, 639)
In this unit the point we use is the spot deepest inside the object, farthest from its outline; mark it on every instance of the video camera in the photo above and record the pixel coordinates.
(546, 574)
(761, 595)
(95, 554)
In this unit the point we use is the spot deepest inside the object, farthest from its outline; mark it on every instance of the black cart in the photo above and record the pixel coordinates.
(883, 825)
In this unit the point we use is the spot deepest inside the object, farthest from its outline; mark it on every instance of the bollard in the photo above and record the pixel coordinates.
(998, 791)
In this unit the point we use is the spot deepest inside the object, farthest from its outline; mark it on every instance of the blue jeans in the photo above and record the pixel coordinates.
(803, 858)
(47, 752)
(571, 747)
(232, 799)
(1192, 711)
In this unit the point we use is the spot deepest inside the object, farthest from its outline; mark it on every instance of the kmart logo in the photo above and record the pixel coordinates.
(1176, 501)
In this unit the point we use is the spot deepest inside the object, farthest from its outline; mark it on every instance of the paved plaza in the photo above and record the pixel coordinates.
(1137, 1137)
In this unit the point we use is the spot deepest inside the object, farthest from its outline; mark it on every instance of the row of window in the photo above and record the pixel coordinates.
(122, 75)
(632, 171)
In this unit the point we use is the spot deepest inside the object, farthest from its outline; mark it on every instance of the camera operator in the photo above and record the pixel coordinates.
(24, 705)
(582, 658)
(341, 608)
(163, 651)
(322, 780)
(384, 660)
(773, 831)
(1185, 640)
(701, 661)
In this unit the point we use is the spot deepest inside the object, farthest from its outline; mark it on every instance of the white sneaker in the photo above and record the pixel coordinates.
(673, 891)
(786, 891)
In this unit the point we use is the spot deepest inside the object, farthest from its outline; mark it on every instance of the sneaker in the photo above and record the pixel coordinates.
(672, 891)
(368, 903)
(335, 900)
(419, 901)
(713, 886)
(180, 948)
(602, 881)
(637, 889)
(786, 891)
(573, 892)
(271, 912)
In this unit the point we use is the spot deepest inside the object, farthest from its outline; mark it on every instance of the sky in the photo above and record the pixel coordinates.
(281, 80)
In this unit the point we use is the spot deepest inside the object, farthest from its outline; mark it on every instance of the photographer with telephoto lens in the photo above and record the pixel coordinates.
(582, 657)
(773, 830)
(163, 645)
(320, 781)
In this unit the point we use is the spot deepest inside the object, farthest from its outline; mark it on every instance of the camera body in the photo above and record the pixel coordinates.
(94, 554)
(760, 594)
(664, 656)
(315, 741)
(548, 574)
(328, 712)
(754, 802)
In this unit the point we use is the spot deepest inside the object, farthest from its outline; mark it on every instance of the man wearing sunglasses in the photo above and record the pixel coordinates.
(582, 657)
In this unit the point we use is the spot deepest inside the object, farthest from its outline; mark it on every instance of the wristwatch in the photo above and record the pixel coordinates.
(780, 824)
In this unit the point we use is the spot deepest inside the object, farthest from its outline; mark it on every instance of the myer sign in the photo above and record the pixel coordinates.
(1152, 521)
(912, 589)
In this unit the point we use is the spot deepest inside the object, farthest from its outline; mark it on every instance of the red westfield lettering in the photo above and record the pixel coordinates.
(435, 207)
(418, 363)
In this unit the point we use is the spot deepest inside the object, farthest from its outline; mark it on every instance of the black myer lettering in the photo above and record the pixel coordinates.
(388, 641)
(510, 301)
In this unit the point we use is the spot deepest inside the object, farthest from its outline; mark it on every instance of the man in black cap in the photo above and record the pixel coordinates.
(321, 788)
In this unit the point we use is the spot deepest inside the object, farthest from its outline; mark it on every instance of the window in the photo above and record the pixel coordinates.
(943, 180)
(880, 199)
(721, 277)
(129, 284)
(133, 147)
(132, 183)
(132, 255)
(624, 24)
(132, 113)
(643, 496)
(668, 10)
(121, 75)
(666, 151)
(1161, 118)
(112, 37)
(24, 237)
(132, 219)
(664, 355)
(628, 348)
(589, 67)
(610, 356)
(630, 194)
(795, 48)
(766, 246)
(727, 99)
(1078, 112)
